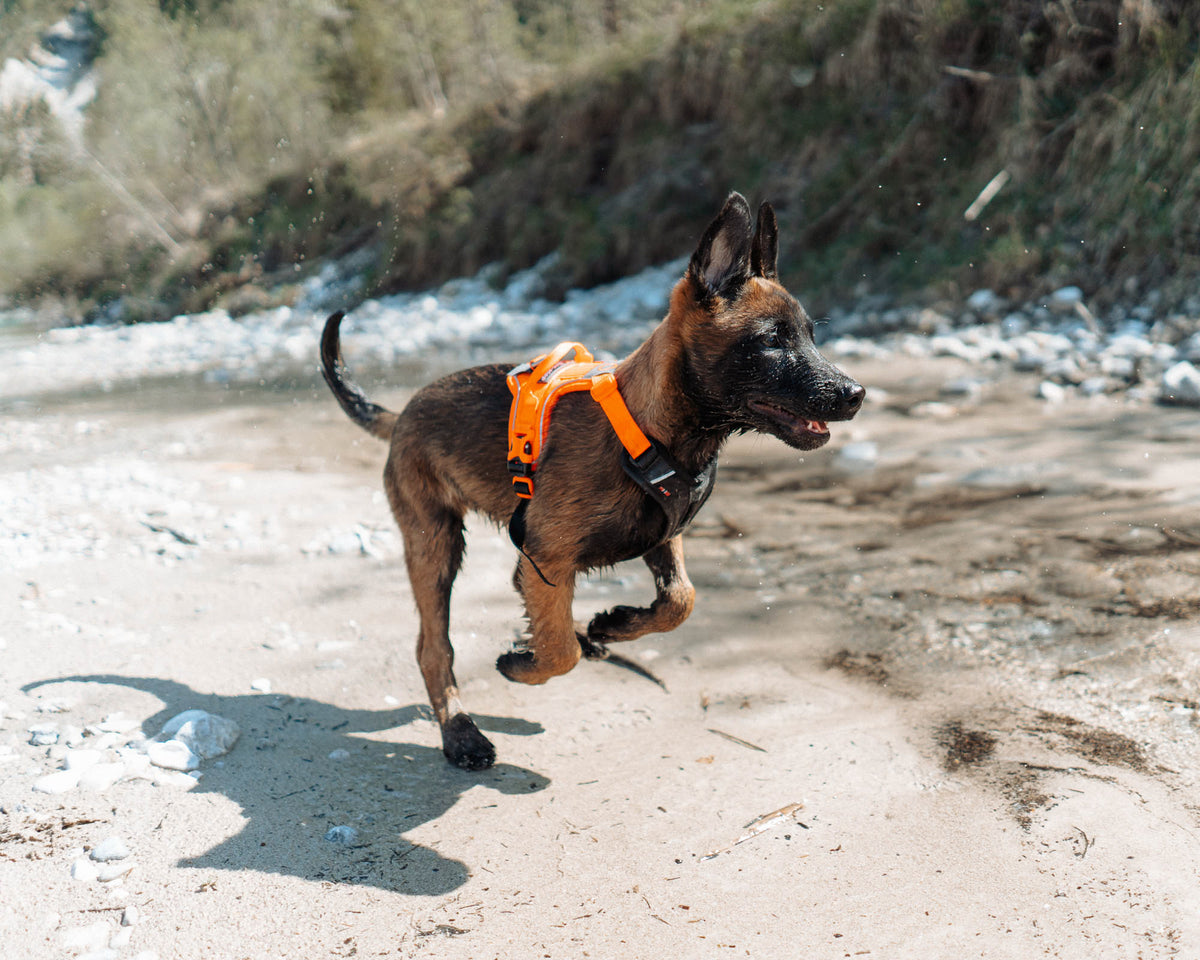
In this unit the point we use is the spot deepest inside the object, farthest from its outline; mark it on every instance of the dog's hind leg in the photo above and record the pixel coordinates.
(433, 550)
(552, 647)
(670, 608)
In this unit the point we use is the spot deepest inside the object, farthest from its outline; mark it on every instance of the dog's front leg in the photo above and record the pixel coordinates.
(670, 608)
(553, 648)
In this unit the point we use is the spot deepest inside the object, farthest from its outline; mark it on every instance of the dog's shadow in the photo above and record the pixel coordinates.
(291, 791)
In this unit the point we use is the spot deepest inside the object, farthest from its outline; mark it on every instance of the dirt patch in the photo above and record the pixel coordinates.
(1093, 743)
(865, 666)
(963, 747)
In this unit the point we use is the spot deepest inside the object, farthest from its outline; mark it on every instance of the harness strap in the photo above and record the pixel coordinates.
(536, 387)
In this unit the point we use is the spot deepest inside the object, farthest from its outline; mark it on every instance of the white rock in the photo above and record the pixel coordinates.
(82, 759)
(1051, 392)
(985, 302)
(84, 869)
(172, 755)
(118, 723)
(92, 937)
(342, 835)
(130, 916)
(261, 684)
(174, 778)
(111, 848)
(115, 870)
(1181, 384)
(1063, 299)
(59, 782)
(43, 734)
(207, 734)
(339, 754)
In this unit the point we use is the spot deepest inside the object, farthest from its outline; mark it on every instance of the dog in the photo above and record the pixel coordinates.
(735, 353)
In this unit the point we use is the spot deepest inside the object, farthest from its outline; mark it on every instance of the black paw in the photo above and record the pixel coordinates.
(592, 649)
(464, 746)
(516, 664)
(609, 622)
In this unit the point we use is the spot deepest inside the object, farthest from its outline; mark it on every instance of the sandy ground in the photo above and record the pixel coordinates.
(974, 663)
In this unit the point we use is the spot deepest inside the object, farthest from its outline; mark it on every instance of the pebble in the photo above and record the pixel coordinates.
(114, 871)
(262, 685)
(1051, 392)
(111, 848)
(342, 835)
(84, 869)
(81, 759)
(206, 734)
(1181, 385)
(130, 916)
(58, 782)
(43, 734)
(172, 755)
(92, 937)
(101, 776)
(339, 754)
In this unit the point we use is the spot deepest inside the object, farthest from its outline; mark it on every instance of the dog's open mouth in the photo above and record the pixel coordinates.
(790, 427)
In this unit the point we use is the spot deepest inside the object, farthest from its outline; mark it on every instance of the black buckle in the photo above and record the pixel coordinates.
(654, 468)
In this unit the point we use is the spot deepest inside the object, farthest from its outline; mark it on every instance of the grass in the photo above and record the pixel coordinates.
(844, 115)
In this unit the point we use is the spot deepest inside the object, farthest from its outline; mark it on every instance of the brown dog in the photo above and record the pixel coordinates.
(734, 353)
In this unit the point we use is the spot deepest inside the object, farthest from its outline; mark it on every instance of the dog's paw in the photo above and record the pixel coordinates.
(464, 746)
(517, 665)
(592, 649)
(607, 624)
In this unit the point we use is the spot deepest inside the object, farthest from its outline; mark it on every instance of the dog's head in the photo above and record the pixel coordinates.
(747, 345)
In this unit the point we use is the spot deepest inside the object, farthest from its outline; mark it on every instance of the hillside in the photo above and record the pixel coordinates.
(435, 149)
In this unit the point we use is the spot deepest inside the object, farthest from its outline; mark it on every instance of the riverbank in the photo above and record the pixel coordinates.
(963, 637)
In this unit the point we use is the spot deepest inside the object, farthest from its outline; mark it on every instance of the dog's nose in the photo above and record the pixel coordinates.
(851, 396)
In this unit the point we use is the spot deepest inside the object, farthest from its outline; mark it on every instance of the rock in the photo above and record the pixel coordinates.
(109, 872)
(82, 759)
(101, 776)
(1181, 385)
(43, 734)
(1063, 299)
(262, 685)
(92, 937)
(84, 869)
(342, 835)
(118, 723)
(985, 303)
(112, 848)
(207, 734)
(966, 387)
(339, 754)
(130, 916)
(59, 782)
(172, 755)
(1051, 392)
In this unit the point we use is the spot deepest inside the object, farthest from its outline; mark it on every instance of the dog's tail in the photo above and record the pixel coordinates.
(373, 418)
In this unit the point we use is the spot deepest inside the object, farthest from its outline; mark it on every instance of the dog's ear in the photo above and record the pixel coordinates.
(764, 254)
(721, 263)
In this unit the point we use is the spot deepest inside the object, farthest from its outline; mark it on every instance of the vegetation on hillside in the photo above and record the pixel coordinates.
(233, 143)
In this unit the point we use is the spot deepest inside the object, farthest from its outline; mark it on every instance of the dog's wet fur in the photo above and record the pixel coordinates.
(734, 353)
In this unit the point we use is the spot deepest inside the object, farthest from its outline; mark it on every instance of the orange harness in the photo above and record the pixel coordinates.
(536, 387)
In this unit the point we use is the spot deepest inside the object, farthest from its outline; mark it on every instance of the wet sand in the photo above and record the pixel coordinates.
(973, 658)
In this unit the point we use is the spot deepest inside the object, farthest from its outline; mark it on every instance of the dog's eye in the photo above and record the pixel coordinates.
(776, 338)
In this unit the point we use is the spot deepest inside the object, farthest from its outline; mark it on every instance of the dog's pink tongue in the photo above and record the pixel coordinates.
(818, 426)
